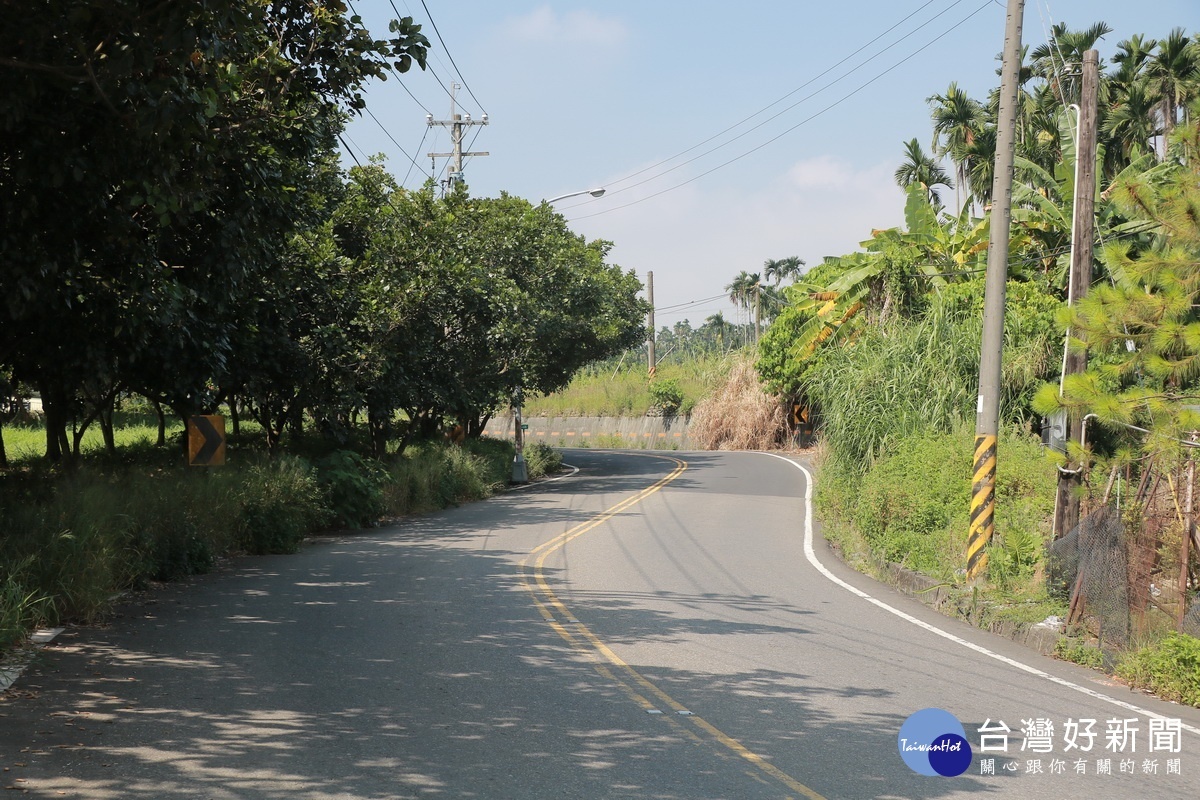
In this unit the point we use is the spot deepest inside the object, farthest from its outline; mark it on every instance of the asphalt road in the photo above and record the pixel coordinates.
(652, 627)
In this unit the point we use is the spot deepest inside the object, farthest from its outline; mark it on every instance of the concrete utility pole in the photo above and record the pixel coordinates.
(1066, 505)
(650, 324)
(987, 422)
(457, 125)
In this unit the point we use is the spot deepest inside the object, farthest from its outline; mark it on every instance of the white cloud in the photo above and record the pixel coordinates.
(581, 27)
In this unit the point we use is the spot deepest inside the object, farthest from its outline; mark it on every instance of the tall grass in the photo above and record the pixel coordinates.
(919, 375)
(72, 542)
(739, 415)
(626, 391)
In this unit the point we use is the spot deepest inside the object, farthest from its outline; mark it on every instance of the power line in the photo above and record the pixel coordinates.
(428, 68)
(393, 138)
(447, 49)
(803, 122)
(763, 110)
(414, 163)
(388, 65)
(690, 303)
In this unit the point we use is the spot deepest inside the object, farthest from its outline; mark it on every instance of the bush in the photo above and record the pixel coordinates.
(1169, 669)
(667, 397)
(541, 459)
(353, 487)
(280, 501)
(911, 505)
(436, 475)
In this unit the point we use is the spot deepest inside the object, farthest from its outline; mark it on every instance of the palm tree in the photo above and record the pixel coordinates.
(744, 293)
(719, 327)
(920, 168)
(1174, 73)
(1060, 60)
(957, 120)
(1129, 126)
(778, 269)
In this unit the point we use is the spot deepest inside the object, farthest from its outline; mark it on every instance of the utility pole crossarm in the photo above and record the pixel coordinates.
(457, 125)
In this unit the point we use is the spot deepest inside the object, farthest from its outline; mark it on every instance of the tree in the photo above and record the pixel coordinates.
(1174, 75)
(777, 270)
(919, 168)
(150, 157)
(1141, 330)
(957, 121)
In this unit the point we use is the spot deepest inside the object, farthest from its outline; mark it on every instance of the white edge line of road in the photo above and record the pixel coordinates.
(39, 638)
(811, 555)
(574, 471)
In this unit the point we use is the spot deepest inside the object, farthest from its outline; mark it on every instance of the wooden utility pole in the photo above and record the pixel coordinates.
(987, 422)
(1066, 505)
(650, 325)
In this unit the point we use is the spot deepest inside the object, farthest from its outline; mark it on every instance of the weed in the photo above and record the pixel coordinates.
(280, 501)
(21, 608)
(1082, 653)
(353, 487)
(541, 459)
(1169, 668)
(740, 415)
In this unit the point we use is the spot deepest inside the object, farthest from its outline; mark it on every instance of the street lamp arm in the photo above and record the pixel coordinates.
(592, 192)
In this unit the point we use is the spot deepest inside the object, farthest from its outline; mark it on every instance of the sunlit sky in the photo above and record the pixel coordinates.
(658, 102)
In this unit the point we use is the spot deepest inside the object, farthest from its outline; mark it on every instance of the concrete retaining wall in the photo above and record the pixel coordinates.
(659, 433)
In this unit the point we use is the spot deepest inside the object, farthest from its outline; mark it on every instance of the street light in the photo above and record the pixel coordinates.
(592, 192)
(520, 472)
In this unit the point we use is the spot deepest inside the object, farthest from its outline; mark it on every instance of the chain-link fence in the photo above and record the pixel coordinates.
(1129, 566)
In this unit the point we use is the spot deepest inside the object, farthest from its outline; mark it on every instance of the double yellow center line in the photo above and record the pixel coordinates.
(636, 686)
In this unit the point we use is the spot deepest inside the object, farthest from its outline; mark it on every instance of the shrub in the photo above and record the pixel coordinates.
(436, 475)
(1169, 669)
(911, 505)
(280, 501)
(541, 459)
(1080, 653)
(667, 397)
(353, 487)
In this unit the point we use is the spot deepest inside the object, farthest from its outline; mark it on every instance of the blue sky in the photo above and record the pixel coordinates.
(584, 93)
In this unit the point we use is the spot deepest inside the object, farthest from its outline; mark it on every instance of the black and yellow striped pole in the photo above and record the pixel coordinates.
(983, 504)
(987, 421)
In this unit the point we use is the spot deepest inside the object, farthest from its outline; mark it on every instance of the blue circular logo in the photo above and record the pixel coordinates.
(933, 742)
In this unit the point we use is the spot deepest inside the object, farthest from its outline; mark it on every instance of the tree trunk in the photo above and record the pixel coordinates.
(54, 409)
(235, 418)
(162, 425)
(3, 452)
(378, 428)
(106, 429)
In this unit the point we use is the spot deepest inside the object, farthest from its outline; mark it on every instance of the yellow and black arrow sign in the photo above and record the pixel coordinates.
(206, 441)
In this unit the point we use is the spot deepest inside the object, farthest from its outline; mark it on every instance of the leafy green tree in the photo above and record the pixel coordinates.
(151, 153)
(1141, 330)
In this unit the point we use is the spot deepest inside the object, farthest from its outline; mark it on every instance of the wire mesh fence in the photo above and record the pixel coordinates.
(1129, 566)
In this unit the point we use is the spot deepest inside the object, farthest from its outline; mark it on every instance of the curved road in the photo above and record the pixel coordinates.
(654, 626)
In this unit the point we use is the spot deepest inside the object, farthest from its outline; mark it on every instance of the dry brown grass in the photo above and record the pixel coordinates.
(739, 415)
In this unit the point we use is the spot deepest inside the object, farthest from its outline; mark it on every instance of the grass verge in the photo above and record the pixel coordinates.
(72, 542)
